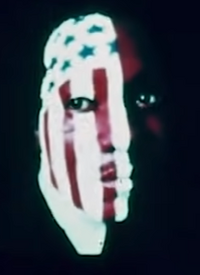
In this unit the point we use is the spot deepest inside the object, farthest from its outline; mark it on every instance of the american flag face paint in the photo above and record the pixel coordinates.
(83, 127)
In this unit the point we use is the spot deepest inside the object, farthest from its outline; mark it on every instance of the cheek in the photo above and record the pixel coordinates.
(154, 125)
(68, 125)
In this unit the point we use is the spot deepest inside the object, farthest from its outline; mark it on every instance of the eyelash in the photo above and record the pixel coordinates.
(142, 98)
(91, 104)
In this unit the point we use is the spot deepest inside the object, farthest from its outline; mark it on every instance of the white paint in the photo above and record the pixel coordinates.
(84, 228)
(88, 163)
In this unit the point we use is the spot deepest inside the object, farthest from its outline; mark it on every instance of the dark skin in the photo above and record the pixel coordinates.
(143, 101)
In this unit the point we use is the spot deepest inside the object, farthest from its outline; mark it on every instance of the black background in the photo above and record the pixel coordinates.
(164, 234)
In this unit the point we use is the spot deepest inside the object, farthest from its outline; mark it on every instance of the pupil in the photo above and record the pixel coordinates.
(76, 103)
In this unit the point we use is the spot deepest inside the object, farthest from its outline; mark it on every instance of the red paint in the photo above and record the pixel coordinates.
(70, 156)
(130, 62)
(103, 126)
(46, 136)
(109, 194)
(109, 210)
(154, 124)
(131, 65)
(108, 172)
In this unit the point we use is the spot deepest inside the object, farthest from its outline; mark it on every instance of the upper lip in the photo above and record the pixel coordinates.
(108, 172)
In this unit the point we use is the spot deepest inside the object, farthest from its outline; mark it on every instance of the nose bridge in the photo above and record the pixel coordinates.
(120, 130)
(113, 131)
(105, 135)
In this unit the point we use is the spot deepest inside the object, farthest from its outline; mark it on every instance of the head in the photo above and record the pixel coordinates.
(84, 130)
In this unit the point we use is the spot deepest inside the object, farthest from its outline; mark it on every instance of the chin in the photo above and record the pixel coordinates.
(117, 210)
(122, 208)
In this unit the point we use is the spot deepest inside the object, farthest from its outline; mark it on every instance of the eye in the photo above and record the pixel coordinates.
(146, 100)
(81, 104)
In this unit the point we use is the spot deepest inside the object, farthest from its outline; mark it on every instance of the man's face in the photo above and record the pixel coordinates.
(86, 133)
(96, 138)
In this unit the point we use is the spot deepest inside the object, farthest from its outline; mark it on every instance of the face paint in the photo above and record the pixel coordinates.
(85, 168)
(154, 125)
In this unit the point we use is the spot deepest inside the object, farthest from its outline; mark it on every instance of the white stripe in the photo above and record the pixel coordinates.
(57, 149)
(87, 152)
(44, 172)
(118, 115)
(81, 83)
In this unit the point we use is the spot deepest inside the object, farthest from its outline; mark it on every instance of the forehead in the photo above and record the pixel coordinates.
(78, 47)
(130, 60)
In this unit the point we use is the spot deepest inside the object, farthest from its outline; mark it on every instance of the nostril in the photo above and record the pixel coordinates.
(108, 148)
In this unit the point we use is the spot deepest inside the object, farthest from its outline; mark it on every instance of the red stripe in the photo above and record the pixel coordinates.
(103, 124)
(53, 180)
(70, 156)
(130, 61)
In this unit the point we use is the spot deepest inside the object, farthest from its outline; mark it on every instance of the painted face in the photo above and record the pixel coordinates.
(83, 126)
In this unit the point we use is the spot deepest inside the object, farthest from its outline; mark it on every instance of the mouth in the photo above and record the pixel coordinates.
(112, 183)
(108, 178)
(108, 172)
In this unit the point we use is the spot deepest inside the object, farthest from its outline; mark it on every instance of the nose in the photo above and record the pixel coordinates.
(120, 126)
(108, 148)
(105, 140)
